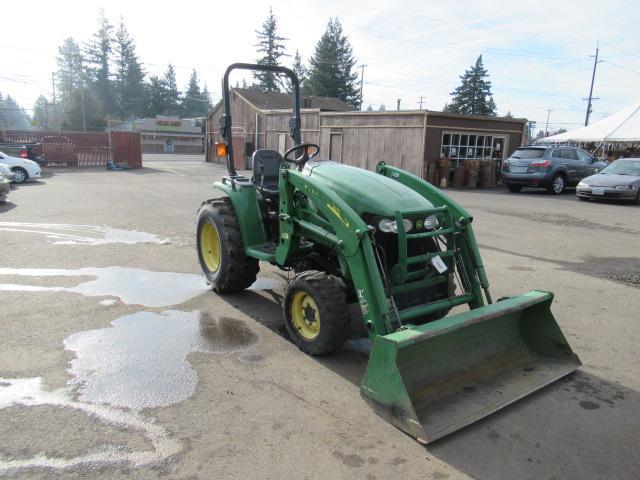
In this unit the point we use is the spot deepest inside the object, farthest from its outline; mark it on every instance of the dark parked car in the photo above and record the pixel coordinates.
(619, 180)
(552, 167)
(29, 151)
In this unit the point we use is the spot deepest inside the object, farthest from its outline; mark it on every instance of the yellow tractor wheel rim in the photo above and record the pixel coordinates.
(305, 315)
(210, 247)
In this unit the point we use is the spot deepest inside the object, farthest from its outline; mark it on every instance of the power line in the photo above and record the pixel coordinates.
(620, 66)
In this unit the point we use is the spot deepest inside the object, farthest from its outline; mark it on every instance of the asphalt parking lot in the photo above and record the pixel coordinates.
(116, 362)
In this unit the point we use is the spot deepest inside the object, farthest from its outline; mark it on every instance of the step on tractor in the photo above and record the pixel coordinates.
(405, 253)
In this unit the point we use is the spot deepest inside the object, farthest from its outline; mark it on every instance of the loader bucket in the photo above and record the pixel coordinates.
(434, 379)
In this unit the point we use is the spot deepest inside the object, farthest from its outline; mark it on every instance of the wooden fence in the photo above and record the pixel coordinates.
(81, 149)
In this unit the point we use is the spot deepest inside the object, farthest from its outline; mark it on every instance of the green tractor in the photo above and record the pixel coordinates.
(406, 253)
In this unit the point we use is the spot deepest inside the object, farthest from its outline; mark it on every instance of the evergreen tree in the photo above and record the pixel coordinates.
(97, 54)
(42, 113)
(12, 115)
(330, 67)
(156, 96)
(382, 107)
(206, 96)
(473, 96)
(271, 49)
(172, 94)
(369, 108)
(129, 76)
(70, 68)
(194, 104)
(299, 69)
(75, 95)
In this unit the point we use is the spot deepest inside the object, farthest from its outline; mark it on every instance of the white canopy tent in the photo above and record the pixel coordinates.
(622, 126)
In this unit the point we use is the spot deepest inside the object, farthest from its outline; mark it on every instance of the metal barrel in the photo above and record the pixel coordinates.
(434, 379)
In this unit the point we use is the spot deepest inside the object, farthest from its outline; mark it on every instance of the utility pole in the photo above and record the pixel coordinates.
(546, 127)
(84, 122)
(398, 107)
(593, 76)
(53, 92)
(421, 102)
(46, 114)
(361, 83)
(53, 86)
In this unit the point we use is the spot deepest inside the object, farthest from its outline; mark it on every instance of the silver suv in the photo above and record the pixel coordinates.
(552, 167)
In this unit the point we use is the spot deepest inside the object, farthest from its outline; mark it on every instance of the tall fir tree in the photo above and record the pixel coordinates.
(331, 67)
(271, 50)
(129, 75)
(156, 96)
(70, 73)
(206, 96)
(172, 99)
(97, 55)
(42, 113)
(300, 70)
(12, 115)
(70, 79)
(473, 96)
(194, 103)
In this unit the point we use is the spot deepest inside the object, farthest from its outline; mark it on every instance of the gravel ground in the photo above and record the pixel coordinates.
(116, 362)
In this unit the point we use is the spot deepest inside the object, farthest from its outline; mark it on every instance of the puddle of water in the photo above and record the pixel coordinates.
(140, 362)
(29, 392)
(107, 302)
(132, 286)
(67, 234)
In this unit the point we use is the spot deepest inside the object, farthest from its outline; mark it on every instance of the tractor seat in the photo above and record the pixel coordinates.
(266, 171)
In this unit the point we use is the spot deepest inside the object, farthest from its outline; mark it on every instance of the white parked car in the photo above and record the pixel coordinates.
(6, 172)
(22, 168)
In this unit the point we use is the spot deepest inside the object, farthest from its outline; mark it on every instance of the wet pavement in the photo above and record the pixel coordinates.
(117, 360)
(141, 360)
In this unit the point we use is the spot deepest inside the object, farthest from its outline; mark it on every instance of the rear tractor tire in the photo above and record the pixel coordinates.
(221, 250)
(315, 312)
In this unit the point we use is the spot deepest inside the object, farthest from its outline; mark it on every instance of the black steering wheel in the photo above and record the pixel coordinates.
(305, 157)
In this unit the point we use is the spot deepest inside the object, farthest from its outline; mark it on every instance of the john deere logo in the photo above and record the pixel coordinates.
(336, 211)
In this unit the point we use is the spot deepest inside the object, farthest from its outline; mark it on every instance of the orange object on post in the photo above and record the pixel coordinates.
(222, 149)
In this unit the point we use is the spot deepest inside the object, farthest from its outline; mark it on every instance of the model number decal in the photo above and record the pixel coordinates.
(338, 213)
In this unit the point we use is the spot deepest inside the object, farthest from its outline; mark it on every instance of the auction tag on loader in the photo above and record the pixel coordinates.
(438, 264)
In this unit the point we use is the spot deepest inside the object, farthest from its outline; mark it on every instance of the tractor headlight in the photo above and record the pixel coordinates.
(390, 226)
(431, 222)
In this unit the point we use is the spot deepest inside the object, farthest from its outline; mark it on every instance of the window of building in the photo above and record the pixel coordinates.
(467, 145)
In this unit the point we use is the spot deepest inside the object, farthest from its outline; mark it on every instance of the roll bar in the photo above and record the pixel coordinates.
(225, 118)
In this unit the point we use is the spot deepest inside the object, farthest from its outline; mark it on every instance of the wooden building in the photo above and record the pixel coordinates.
(261, 120)
(412, 140)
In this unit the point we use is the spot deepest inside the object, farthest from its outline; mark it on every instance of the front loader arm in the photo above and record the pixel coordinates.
(462, 219)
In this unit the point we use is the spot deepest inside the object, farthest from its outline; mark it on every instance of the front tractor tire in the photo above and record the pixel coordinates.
(315, 312)
(221, 250)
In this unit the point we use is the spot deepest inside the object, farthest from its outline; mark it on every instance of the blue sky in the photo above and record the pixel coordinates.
(537, 53)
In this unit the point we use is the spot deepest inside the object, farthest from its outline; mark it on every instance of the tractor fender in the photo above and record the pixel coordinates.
(247, 209)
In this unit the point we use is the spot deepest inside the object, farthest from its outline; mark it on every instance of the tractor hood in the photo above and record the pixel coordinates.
(365, 191)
